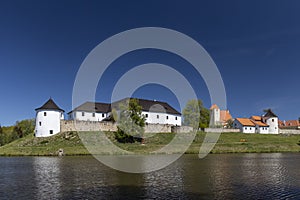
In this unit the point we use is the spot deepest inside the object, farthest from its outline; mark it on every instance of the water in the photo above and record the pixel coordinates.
(225, 176)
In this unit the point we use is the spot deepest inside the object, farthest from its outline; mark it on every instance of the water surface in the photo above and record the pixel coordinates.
(222, 176)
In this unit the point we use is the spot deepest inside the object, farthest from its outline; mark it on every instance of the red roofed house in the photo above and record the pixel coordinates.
(219, 117)
(266, 124)
(289, 124)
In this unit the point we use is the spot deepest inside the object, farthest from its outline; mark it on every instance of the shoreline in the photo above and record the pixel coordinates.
(228, 143)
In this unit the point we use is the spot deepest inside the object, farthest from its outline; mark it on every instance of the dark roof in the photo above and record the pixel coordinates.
(50, 105)
(147, 105)
(93, 107)
(269, 113)
(150, 105)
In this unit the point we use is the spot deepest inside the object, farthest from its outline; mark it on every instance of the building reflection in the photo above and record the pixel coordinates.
(47, 177)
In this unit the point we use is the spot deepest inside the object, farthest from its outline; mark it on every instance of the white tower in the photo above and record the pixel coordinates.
(272, 120)
(47, 121)
(214, 116)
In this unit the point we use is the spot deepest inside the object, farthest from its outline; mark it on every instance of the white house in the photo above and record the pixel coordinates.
(47, 121)
(90, 111)
(155, 112)
(267, 124)
(245, 125)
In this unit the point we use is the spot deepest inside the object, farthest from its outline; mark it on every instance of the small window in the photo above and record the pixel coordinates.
(51, 132)
(157, 116)
(146, 115)
(93, 114)
(167, 117)
(250, 128)
(175, 118)
(245, 128)
(102, 114)
(82, 114)
(275, 127)
(45, 114)
(40, 123)
(272, 120)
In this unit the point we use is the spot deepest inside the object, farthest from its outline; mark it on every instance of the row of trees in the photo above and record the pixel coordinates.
(19, 130)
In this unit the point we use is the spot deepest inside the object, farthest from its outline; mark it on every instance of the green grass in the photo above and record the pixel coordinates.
(71, 143)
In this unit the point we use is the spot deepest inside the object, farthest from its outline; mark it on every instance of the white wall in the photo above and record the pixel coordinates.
(243, 129)
(162, 118)
(273, 125)
(47, 123)
(263, 130)
(215, 117)
(88, 116)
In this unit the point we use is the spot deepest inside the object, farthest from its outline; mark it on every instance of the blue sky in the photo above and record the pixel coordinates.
(255, 44)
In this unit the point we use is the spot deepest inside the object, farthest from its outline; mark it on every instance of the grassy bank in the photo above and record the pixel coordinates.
(228, 143)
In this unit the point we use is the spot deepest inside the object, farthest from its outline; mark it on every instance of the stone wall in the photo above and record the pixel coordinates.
(289, 131)
(70, 125)
(158, 128)
(181, 129)
(221, 130)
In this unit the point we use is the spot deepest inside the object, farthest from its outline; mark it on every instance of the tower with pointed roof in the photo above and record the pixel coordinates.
(214, 116)
(48, 118)
(272, 120)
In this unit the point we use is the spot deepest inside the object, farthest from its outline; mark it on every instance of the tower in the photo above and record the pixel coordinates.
(214, 116)
(272, 120)
(47, 121)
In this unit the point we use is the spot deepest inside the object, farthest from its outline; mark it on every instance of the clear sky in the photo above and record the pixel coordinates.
(255, 44)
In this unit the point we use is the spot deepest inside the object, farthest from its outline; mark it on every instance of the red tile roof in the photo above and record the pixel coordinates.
(245, 121)
(225, 115)
(214, 106)
(256, 118)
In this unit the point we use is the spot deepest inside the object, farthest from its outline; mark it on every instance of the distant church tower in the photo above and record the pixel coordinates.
(214, 116)
(47, 121)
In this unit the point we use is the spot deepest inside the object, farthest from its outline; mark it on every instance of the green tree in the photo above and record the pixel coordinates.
(196, 115)
(131, 122)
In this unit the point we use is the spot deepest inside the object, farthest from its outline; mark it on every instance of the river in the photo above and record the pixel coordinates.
(217, 176)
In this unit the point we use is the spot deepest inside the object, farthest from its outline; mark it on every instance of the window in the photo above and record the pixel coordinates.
(250, 128)
(175, 118)
(82, 114)
(93, 114)
(146, 115)
(45, 114)
(272, 120)
(102, 114)
(167, 117)
(245, 128)
(157, 116)
(40, 123)
(51, 132)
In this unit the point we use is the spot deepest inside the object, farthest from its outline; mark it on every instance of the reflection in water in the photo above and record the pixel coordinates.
(47, 175)
(230, 176)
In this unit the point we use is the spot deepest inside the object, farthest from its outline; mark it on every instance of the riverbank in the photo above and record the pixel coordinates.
(227, 143)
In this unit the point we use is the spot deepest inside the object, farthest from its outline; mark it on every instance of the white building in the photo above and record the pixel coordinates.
(47, 121)
(90, 111)
(218, 117)
(267, 124)
(155, 112)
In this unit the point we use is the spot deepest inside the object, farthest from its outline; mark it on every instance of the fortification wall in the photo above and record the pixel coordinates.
(70, 125)
(289, 131)
(181, 129)
(221, 130)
